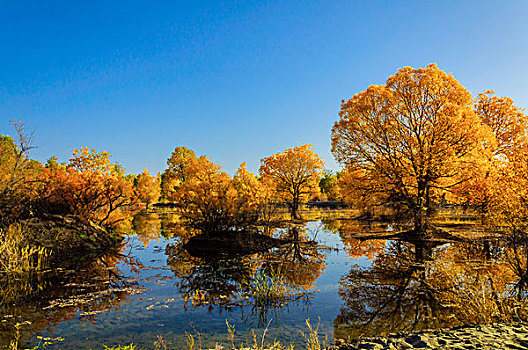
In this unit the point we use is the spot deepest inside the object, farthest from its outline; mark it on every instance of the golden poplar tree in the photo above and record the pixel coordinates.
(295, 173)
(148, 187)
(486, 179)
(407, 141)
(91, 187)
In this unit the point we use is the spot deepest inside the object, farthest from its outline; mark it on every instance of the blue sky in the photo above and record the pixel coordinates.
(235, 80)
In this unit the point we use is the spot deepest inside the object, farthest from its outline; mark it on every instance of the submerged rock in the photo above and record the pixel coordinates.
(230, 243)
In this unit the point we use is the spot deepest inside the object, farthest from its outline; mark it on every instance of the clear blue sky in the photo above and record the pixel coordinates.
(235, 80)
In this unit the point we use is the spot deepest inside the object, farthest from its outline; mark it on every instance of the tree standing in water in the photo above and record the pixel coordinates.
(295, 173)
(408, 141)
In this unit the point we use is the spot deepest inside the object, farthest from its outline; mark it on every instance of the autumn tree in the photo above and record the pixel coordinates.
(295, 173)
(407, 141)
(508, 122)
(203, 192)
(269, 202)
(209, 199)
(18, 173)
(248, 196)
(509, 125)
(91, 187)
(175, 172)
(147, 187)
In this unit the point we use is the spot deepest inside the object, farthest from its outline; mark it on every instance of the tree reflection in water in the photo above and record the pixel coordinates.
(41, 302)
(406, 286)
(210, 282)
(232, 282)
(388, 296)
(300, 262)
(419, 286)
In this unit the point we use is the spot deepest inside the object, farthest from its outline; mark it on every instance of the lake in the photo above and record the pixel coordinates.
(346, 287)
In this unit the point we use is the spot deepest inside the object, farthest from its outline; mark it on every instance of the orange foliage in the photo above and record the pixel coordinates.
(509, 203)
(249, 195)
(91, 187)
(295, 174)
(148, 187)
(175, 172)
(209, 199)
(508, 122)
(18, 174)
(361, 189)
(492, 173)
(205, 195)
(410, 138)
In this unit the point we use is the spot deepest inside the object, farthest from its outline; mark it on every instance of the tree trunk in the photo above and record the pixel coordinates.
(295, 206)
(421, 223)
(421, 217)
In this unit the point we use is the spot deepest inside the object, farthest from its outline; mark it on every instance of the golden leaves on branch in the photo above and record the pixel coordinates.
(406, 142)
(209, 199)
(421, 140)
(91, 187)
(295, 174)
(496, 184)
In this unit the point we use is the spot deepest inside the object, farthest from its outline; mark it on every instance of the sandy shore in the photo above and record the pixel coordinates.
(494, 336)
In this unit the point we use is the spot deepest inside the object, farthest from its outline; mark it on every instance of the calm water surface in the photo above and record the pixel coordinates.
(153, 287)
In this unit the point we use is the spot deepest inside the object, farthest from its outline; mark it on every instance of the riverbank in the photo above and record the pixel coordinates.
(492, 336)
(48, 241)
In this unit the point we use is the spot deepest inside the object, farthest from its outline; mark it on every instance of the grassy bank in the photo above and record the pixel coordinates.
(18, 254)
(313, 341)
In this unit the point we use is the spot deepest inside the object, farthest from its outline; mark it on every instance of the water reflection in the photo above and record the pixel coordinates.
(266, 281)
(299, 262)
(209, 282)
(389, 296)
(414, 286)
(33, 303)
(393, 286)
(147, 227)
(360, 248)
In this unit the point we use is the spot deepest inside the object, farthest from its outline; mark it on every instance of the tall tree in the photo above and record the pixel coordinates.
(295, 173)
(176, 172)
(147, 187)
(509, 125)
(408, 140)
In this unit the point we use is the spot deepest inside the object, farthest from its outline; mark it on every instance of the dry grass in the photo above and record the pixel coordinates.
(17, 255)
